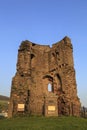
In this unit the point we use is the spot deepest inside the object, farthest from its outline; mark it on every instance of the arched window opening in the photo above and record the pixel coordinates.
(32, 61)
(59, 83)
(32, 56)
(50, 87)
(49, 78)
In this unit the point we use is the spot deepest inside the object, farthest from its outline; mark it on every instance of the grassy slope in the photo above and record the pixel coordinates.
(4, 98)
(3, 103)
(44, 123)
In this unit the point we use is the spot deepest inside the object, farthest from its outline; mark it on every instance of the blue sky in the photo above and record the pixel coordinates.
(43, 22)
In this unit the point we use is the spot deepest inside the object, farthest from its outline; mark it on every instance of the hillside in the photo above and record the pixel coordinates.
(4, 98)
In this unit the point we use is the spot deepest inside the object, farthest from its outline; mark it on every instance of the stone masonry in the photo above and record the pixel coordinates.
(45, 82)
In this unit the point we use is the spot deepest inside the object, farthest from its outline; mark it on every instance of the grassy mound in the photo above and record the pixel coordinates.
(43, 123)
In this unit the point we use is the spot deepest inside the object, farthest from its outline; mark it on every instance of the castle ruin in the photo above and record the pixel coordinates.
(45, 82)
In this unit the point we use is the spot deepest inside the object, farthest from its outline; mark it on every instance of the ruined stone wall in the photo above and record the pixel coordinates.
(38, 66)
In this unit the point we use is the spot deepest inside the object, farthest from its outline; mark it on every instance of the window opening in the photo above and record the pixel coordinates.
(50, 87)
(32, 56)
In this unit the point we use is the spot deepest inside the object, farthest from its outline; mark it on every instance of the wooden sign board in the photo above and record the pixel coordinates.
(51, 108)
(21, 107)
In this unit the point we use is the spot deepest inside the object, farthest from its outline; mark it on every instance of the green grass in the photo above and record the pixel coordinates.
(3, 102)
(3, 105)
(43, 123)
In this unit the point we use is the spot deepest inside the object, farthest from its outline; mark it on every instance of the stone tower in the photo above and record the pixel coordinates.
(45, 82)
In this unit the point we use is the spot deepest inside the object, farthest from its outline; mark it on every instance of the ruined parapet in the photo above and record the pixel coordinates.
(37, 67)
